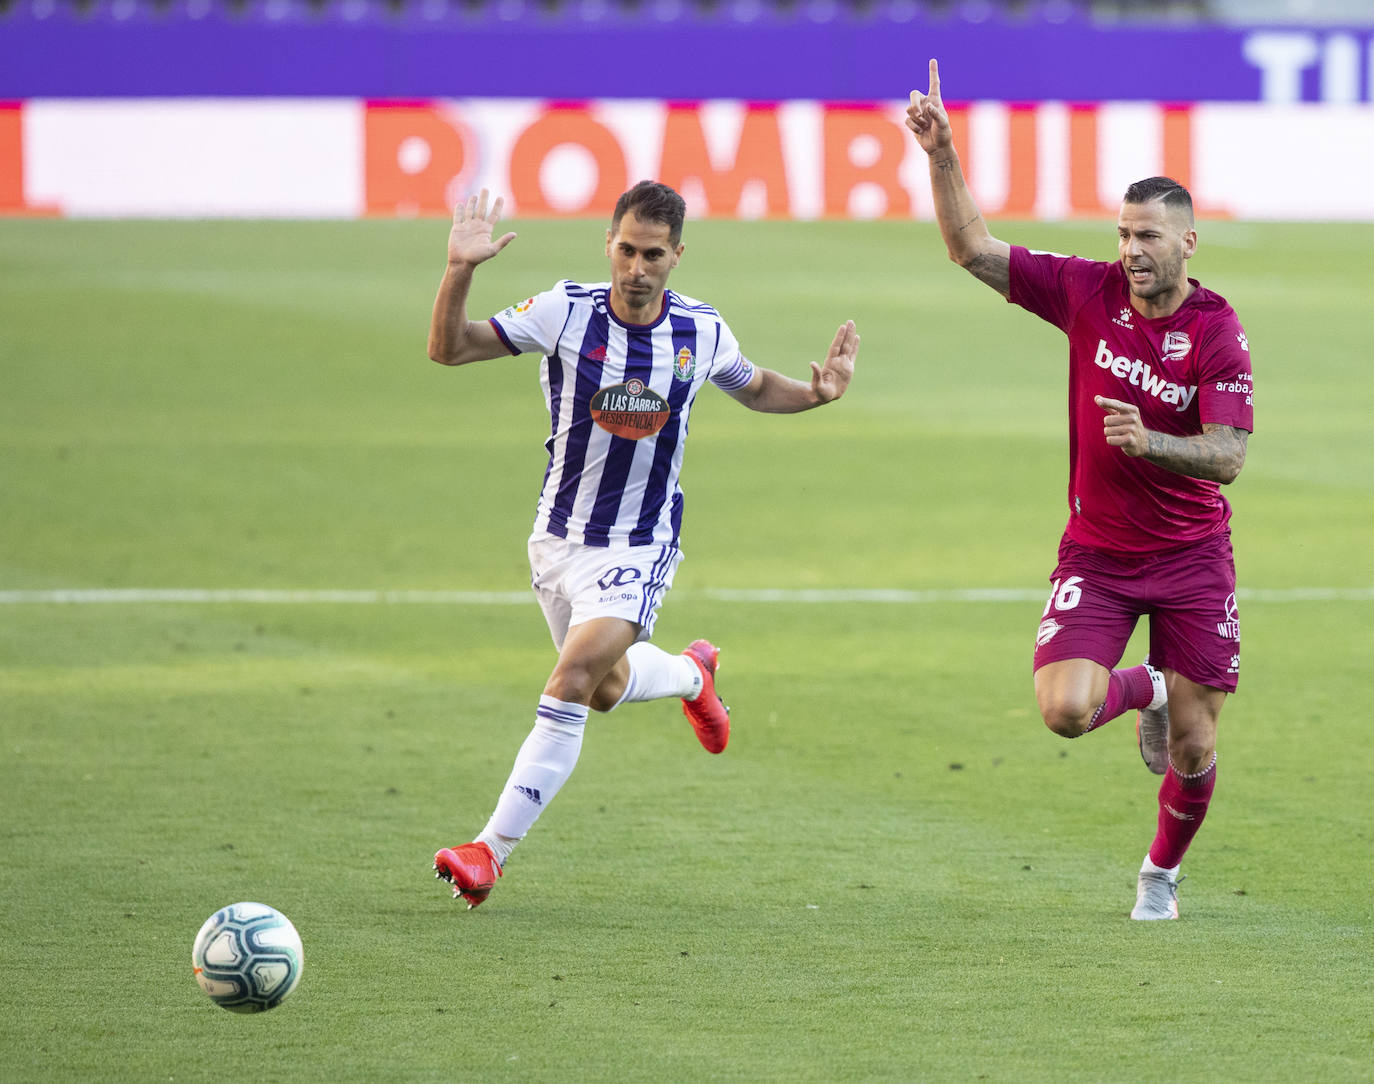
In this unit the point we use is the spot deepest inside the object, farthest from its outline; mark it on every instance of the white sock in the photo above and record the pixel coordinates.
(655, 674)
(1149, 867)
(542, 766)
(500, 845)
(1161, 696)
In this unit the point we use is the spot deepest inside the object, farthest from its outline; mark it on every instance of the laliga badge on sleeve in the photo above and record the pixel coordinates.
(631, 410)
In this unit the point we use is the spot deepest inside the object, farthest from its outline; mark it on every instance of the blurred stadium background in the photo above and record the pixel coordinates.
(792, 109)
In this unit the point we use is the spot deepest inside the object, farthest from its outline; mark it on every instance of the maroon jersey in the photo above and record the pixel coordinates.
(1181, 371)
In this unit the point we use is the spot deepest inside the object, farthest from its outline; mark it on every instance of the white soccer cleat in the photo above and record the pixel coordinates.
(1152, 726)
(1156, 895)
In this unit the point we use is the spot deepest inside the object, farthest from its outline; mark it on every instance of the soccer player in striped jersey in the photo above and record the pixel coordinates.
(1160, 413)
(623, 361)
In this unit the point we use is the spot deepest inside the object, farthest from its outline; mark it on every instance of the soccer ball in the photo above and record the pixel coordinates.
(247, 957)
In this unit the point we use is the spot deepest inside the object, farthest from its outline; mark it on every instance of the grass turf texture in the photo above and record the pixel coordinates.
(895, 872)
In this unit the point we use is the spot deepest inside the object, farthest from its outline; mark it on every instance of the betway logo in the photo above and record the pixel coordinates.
(1138, 373)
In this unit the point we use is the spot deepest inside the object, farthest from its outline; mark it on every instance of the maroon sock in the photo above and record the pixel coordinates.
(1126, 689)
(1183, 802)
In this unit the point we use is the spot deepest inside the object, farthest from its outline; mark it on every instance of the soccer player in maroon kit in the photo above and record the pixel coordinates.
(1159, 414)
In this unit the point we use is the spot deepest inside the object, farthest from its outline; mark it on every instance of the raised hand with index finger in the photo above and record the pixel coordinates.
(926, 116)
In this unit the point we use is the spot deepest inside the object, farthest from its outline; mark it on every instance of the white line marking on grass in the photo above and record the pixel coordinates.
(971, 594)
(269, 596)
(139, 595)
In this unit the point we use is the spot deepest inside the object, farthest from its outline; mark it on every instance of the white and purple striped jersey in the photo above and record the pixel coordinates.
(618, 396)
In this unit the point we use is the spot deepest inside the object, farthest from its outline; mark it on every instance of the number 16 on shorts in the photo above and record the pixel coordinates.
(1064, 595)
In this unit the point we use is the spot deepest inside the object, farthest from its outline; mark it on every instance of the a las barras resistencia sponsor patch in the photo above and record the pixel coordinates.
(631, 410)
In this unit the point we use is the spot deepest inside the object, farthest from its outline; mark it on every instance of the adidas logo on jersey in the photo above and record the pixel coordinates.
(1138, 374)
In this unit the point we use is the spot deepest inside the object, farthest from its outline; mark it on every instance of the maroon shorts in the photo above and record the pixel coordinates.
(1188, 594)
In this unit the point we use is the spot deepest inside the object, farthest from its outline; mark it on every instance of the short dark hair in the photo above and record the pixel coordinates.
(653, 201)
(1165, 189)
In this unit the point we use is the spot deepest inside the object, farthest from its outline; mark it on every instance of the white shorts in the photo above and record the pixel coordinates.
(576, 583)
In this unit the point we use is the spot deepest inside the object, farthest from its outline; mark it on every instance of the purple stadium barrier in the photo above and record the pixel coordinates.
(674, 49)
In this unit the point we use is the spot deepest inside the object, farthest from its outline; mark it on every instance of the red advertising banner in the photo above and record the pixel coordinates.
(795, 160)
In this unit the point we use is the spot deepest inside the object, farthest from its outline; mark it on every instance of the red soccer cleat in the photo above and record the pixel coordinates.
(470, 868)
(709, 717)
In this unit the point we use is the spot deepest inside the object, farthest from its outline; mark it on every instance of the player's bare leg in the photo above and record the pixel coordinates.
(1079, 695)
(592, 653)
(613, 687)
(1193, 714)
(1069, 692)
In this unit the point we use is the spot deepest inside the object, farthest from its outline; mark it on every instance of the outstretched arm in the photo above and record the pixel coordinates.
(966, 235)
(453, 339)
(774, 393)
(1215, 455)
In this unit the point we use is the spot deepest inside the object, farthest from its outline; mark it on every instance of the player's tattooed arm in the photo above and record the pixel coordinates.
(993, 268)
(1217, 455)
(963, 228)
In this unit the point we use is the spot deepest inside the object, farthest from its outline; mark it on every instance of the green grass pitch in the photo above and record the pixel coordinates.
(894, 873)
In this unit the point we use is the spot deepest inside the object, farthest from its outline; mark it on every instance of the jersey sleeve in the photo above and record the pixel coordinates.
(730, 370)
(1050, 285)
(532, 326)
(1226, 378)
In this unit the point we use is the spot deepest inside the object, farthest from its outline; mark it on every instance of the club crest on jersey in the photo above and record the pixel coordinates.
(684, 365)
(632, 410)
(1176, 346)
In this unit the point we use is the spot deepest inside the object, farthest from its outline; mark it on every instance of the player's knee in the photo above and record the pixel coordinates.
(573, 684)
(1067, 717)
(1064, 722)
(1189, 755)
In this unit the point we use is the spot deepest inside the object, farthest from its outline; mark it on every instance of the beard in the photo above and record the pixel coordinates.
(1166, 277)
